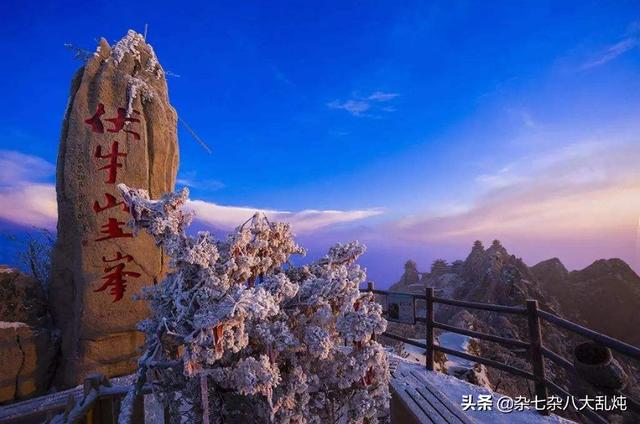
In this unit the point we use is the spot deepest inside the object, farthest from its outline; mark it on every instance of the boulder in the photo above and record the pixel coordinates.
(119, 127)
(28, 355)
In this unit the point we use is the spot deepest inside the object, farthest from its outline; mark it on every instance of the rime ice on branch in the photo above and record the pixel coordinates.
(268, 341)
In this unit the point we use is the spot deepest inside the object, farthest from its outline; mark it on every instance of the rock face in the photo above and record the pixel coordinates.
(439, 267)
(119, 127)
(28, 343)
(552, 275)
(28, 354)
(493, 275)
(605, 296)
(409, 277)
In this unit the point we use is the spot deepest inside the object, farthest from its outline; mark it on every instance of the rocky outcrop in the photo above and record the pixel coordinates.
(28, 342)
(28, 358)
(605, 296)
(491, 275)
(119, 127)
(552, 276)
(439, 267)
(494, 275)
(410, 277)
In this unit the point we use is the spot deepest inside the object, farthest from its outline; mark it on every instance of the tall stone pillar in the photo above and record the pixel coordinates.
(119, 127)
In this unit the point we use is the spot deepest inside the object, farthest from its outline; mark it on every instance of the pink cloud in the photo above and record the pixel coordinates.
(25, 198)
(579, 203)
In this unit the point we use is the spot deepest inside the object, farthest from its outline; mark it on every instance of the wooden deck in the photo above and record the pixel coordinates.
(415, 400)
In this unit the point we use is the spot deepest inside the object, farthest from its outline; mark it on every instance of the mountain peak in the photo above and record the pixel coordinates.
(609, 268)
(481, 261)
(551, 267)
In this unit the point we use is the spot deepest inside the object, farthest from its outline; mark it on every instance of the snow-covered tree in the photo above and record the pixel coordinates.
(239, 334)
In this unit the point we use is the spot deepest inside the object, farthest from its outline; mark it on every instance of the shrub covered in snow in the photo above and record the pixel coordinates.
(239, 334)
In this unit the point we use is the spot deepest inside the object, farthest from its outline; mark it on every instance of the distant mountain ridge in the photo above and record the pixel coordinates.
(604, 296)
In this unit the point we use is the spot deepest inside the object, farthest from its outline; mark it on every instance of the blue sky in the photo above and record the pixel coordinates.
(425, 124)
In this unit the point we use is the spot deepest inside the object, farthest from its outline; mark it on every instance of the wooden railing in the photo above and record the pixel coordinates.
(537, 352)
(100, 404)
(97, 401)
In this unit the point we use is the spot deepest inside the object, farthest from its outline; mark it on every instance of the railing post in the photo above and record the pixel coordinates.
(535, 353)
(430, 338)
(138, 410)
(92, 382)
(370, 290)
(71, 403)
(104, 410)
(166, 414)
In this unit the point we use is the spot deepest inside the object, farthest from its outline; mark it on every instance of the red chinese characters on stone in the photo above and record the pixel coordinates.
(118, 122)
(113, 165)
(94, 121)
(113, 229)
(111, 203)
(115, 276)
(109, 159)
(119, 257)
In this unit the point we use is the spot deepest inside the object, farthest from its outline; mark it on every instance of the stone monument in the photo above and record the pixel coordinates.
(119, 127)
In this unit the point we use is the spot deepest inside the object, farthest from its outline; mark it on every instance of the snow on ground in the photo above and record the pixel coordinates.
(453, 341)
(454, 389)
(457, 342)
(416, 354)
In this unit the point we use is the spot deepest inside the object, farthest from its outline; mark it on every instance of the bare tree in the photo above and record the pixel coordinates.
(34, 253)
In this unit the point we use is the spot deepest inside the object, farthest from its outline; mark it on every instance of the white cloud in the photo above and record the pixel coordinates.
(30, 205)
(354, 107)
(26, 201)
(357, 106)
(190, 179)
(24, 197)
(613, 52)
(16, 167)
(229, 217)
(497, 180)
(382, 97)
(574, 163)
